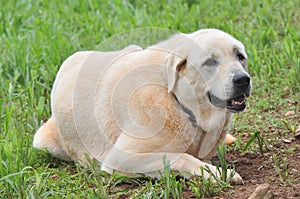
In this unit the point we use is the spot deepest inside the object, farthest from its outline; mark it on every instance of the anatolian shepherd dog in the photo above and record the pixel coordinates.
(128, 109)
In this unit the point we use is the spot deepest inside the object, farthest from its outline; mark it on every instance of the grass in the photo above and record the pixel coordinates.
(36, 36)
(281, 169)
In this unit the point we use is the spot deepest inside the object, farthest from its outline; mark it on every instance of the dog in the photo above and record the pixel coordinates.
(128, 109)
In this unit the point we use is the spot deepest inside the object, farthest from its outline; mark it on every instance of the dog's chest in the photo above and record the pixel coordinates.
(204, 142)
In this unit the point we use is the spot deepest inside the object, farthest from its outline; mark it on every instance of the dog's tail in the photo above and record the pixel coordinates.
(47, 138)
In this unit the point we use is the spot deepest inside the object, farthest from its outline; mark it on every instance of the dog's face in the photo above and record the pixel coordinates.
(215, 65)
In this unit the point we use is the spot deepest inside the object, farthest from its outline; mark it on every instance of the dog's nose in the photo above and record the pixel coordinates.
(241, 80)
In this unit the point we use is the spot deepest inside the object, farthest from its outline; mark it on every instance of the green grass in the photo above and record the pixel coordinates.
(36, 36)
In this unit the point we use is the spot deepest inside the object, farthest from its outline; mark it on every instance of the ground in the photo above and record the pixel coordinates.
(259, 168)
(256, 169)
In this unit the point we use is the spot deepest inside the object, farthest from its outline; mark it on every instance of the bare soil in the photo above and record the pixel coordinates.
(257, 169)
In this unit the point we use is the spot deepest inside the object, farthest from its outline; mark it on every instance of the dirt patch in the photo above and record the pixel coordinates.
(258, 169)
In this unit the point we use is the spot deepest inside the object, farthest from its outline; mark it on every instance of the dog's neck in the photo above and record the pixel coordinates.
(190, 114)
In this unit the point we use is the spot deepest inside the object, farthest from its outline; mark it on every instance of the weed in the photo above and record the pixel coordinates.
(290, 127)
(219, 181)
(204, 187)
(281, 169)
(260, 142)
(169, 182)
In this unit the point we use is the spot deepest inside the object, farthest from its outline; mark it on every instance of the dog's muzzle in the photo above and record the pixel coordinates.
(242, 89)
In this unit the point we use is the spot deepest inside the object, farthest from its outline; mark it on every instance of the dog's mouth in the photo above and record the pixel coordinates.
(236, 104)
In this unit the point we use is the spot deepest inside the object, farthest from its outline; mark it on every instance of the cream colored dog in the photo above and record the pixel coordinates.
(127, 109)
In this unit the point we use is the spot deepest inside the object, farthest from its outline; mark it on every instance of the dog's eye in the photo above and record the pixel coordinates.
(241, 57)
(210, 62)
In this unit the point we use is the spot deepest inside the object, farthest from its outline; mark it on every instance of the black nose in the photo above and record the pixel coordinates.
(241, 80)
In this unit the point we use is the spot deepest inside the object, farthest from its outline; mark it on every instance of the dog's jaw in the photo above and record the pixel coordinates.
(234, 104)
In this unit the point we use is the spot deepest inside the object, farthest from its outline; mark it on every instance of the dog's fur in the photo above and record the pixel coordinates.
(127, 109)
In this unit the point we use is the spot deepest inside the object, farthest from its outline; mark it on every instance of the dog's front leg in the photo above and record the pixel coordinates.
(193, 166)
(150, 163)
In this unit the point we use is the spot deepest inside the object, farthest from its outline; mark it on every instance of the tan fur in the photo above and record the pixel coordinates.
(127, 109)
(48, 137)
(229, 139)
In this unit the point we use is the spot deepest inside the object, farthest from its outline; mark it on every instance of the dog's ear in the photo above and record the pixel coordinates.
(174, 63)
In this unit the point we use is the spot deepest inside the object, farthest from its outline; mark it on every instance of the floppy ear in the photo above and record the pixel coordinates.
(174, 63)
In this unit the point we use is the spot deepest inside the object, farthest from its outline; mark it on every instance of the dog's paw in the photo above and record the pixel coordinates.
(236, 179)
(229, 139)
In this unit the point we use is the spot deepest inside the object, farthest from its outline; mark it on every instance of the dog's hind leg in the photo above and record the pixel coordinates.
(229, 139)
(47, 138)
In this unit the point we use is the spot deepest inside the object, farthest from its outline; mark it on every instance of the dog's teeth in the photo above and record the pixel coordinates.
(237, 103)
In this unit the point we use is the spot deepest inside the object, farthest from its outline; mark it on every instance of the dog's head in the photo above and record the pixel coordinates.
(214, 65)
